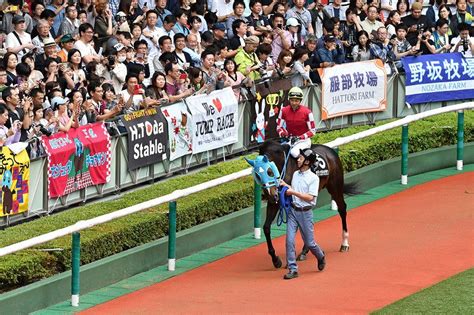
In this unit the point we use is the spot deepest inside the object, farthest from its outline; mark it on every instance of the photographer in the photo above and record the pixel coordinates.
(281, 38)
(416, 23)
(463, 43)
(247, 60)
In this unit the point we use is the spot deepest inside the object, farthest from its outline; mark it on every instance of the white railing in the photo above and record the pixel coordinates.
(81, 225)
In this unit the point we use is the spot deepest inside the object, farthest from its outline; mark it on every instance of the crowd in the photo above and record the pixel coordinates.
(66, 63)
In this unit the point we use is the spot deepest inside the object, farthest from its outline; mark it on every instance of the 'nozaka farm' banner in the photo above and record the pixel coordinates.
(77, 159)
(357, 87)
(15, 175)
(439, 77)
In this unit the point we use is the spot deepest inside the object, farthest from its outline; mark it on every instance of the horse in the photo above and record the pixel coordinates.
(279, 154)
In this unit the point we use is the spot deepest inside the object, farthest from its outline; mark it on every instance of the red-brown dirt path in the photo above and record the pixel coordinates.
(399, 245)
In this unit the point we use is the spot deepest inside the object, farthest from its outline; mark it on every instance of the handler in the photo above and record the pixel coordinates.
(304, 191)
(296, 120)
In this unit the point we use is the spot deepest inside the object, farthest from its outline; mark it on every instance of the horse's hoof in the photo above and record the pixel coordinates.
(277, 263)
(301, 257)
(344, 248)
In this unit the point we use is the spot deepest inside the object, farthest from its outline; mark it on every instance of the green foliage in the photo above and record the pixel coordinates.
(452, 296)
(113, 237)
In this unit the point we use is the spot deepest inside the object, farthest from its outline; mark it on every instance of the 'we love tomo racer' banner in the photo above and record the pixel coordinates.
(439, 77)
(358, 87)
(147, 137)
(214, 120)
(77, 159)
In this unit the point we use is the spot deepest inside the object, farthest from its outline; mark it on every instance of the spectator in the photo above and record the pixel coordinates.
(8, 135)
(7, 20)
(50, 52)
(293, 26)
(67, 43)
(233, 77)
(393, 20)
(370, 24)
(84, 44)
(284, 63)
(461, 16)
(401, 47)
(167, 28)
(247, 60)
(118, 70)
(18, 40)
(387, 6)
(360, 7)
(58, 7)
(193, 49)
(156, 90)
(299, 12)
(329, 55)
(162, 12)
(197, 9)
(37, 98)
(432, 12)
(301, 77)
(463, 43)
(59, 105)
(36, 9)
(96, 106)
(103, 25)
(382, 48)
(239, 29)
(256, 21)
(223, 9)
(416, 23)
(181, 25)
(402, 8)
(18, 111)
(70, 25)
(183, 59)
(195, 25)
(213, 77)
(151, 35)
(349, 32)
(174, 89)
(238, 14)
(336, 10)
(9, 63)
(445, 13)
(440, 36)
(263, 53)
(361, 51)
(43, 36)
(282, 39)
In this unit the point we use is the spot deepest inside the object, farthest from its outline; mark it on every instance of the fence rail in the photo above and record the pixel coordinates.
(171, 198)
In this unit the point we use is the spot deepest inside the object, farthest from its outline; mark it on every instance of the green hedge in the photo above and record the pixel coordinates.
(113, 237)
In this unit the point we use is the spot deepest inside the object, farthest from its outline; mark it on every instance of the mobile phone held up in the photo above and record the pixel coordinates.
(136, 89)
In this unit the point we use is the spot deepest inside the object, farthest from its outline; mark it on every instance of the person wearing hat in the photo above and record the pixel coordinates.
(50, 52)
(70, 24)
(246, 59)
(296, 120)
(43, 36)
(293, 27)
(59, 106)
(118, 70)
(304, 193)
(19, 41)
(67, 43)
(416, 22)
(330, 54)
(299, 12)
(8, 14)
(218, 29)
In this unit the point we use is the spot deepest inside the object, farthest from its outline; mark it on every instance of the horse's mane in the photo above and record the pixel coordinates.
(272, 146)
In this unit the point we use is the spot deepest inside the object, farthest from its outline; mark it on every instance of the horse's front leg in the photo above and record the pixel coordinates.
(272, 210)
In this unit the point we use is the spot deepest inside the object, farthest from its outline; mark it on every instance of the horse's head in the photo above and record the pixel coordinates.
(265, 173)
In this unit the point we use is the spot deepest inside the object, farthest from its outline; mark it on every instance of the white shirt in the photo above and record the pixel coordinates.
(12, 41)
(222, 8)
(305, 182)
(85, 49)
(460, 49)
(136, 100)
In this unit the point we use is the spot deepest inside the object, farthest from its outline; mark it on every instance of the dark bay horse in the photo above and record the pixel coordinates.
(334, 183)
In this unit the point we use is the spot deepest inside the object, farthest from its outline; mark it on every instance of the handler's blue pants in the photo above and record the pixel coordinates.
(303, 220)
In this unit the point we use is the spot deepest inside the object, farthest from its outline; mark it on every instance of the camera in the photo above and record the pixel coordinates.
(111, 60)
(280, 26)
(465, 44)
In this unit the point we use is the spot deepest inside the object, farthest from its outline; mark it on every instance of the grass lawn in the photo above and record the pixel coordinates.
(451, 296)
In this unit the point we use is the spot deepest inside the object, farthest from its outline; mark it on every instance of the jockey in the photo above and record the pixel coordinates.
(296, 120)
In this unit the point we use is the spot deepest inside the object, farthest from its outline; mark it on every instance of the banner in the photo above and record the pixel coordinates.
(147, 137)
(263, 115)
(179, 130)
(439, 77)
(214, 120)
(358, 87)
(77, 159)
(15, 175)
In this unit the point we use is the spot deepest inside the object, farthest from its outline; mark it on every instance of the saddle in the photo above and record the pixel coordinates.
(320, 167)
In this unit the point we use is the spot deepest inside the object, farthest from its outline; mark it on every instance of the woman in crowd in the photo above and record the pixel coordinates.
(360, 7)
(196, 80)
(75, 63)
(156, 90)
(35, 76)
(103, 26)
(301, 77)
(284, 63)
(393, 20)
(361, 51)
(132, 10)
(10, 60)
(8, 136)
(60, 107)
(36, 9)
(196, 24)
(136, 33)
(402, 8)
(445, 13)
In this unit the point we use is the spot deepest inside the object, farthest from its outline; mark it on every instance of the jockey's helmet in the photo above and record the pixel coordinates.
(295, 92)
(308, 155)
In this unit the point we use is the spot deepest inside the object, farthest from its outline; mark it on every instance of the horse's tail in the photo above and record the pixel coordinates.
(352, 188)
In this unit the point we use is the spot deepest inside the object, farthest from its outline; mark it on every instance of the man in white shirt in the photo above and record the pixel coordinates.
(370, 24)
(19, 41)
(463, 43)
(223, 9)
(88, 53)
(151, 35)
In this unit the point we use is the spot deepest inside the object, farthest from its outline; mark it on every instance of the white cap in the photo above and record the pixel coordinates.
(292, 22)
